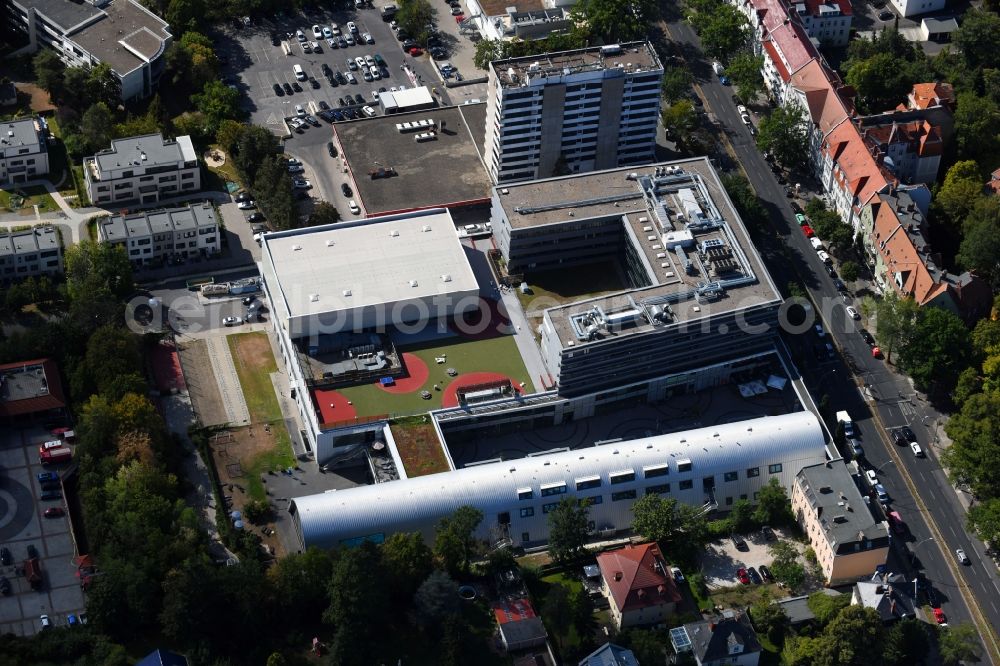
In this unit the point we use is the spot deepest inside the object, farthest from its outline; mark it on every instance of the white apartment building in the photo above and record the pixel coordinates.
(24, 153)
(30, 253)
(122, 33)
(829, 21)
(143, 169)
(915, 7)
(572, 112)
(164, 235)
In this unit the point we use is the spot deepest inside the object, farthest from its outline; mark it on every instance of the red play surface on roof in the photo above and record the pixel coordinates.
(513, 610)
(333, 406)
(53, 399)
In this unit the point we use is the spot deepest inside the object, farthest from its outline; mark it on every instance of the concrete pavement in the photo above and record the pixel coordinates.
(224, 369)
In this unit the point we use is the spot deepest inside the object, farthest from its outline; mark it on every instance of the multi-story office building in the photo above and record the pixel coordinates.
(24, 153)
(848, 539)
(164, 235)
(829, 21)
(574, 111)
(30, 253)
(693, 286)
(122, 33)
(144, 169)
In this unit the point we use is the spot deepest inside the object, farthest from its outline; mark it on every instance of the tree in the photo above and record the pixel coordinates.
(978, 38)
(185, 15)
(937, 351)
(414, 16)
(95, 126)
(773, 506)
(455, 541)
(94, 268)
(980, 248)
(229, 134)
(745, 199)
(977, 120)
(323, 213)
(962, 187)
(300, 581)
(617, 21)
(801, 651)
(881, 81)
(218, 102)
(740, 517)
(568, 529)
(723, 31)
(193, 124)
(273, 191)
(959, 643)
(974, 456)
(853, 638)
(250, 149)
(49, 72)
(771, 619)
(849, 271)
(488, 50)
(786, 567)
(783, 134)
(435, 599)
(906, 643)
(104, 86)
(895, 322)
(969, 383)
(408, 560)
(655, 518)
(984, 519)
(826, 606)
(676, 83)
(744, 70)
(359, 605)
(582, 612)
(557, 612)
(679, 121)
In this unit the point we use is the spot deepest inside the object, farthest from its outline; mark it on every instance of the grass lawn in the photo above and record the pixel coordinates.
(493, 355)
(254, 363)
(34, 195)
(216, 177)
(565, 286)
(419, 447)
(746, 595)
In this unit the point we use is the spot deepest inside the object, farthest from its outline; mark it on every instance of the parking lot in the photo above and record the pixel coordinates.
(721, 558)
(22, 526)
(256, 64)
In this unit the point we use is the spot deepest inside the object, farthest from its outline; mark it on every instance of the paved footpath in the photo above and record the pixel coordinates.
(224, 370)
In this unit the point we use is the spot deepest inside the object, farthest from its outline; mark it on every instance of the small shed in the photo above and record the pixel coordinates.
(937, 29)
(410, 99)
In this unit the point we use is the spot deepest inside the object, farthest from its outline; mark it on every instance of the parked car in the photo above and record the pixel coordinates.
(5, 587)
(32, 551)
(353, 205)
(743, 576)
(330, 148)
(881, 493)
(852, 312)
(808, 231)
(5, 557)
(765, 573)
(231, 321)
(255, 217)
(676, 573)
(754, 576)
(50, 495)
(46, 622)
(917, 451)
(346, 189)
(867, 337)
(767, 533)
(301, 183)
(278, 91)
(855, 446)
(897, 437)
(739, 543)
(824, 257)
(54, 512)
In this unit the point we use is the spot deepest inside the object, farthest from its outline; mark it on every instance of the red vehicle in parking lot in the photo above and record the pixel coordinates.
(55, 512)
(742, 574)
(939, 616)
(807, 230)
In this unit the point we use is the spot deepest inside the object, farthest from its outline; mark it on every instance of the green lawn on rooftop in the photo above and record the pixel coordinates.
(498, 355)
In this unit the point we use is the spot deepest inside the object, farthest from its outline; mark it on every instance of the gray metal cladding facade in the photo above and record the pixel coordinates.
(774, 446)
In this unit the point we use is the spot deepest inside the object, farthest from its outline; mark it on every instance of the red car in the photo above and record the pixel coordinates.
(807, 230)
(459, 18)
(415, 51)
(939, 616)
(742, 574)
(55, 512)
(876, 352)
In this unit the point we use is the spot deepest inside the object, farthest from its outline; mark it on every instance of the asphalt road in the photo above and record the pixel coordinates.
(935, 517)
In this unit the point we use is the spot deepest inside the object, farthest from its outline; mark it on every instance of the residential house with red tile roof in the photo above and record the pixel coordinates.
(829, 21)
(815, 89)
(849, 173)
(910, 148)
(638, 585)
(30, 389)
(928, 95)
(894, 233)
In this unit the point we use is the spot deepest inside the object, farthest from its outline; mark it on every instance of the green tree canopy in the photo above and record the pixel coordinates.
(849, 270)
(959, 643)
(962, 187)
(977, 129)
(978, 38)
(906, 643)
(773, 506)
(676, 83)
(744, 70)
(96, 125)
(455, 542)
(895, 322)
(974, 456)
(414, 16)
(49, 72)
(980, 247)
(218, 102)
(568, 529)
(826, 606)
(783, 134)
(724, 31)
(853, 638)
(323, 213)
(617, 21)
(96, 268)
(937, 351)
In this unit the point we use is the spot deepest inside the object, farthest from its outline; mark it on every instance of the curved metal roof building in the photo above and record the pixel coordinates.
(730, 461)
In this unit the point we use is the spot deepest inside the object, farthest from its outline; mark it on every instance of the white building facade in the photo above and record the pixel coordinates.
(24, 153)
(515, 496)
(573, 111)
(164, 235)
(30, 253)
(145, 169)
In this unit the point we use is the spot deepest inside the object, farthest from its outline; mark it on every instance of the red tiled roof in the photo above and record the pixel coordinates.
(901, 257)
(53, 399)
(776, 60)
(513, 610)
(633, 578)
(825, 107)
(925, 95)
(860, 175)
(793, 43)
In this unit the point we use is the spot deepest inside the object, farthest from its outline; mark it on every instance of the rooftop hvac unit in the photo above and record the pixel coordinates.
(445, 278)
(413, 283)
(623, 318)
(708, 244)
(425, 228)
(329, 243)
(346, 292)
(393, 233)
(313, 298)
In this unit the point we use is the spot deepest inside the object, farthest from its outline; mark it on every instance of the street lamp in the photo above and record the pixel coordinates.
(878, 470)
(913, 550)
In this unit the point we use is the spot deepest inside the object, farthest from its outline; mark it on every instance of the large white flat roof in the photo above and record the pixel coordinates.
(374, 262)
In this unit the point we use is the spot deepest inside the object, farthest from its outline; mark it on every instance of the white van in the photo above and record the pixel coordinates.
(299, 72)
